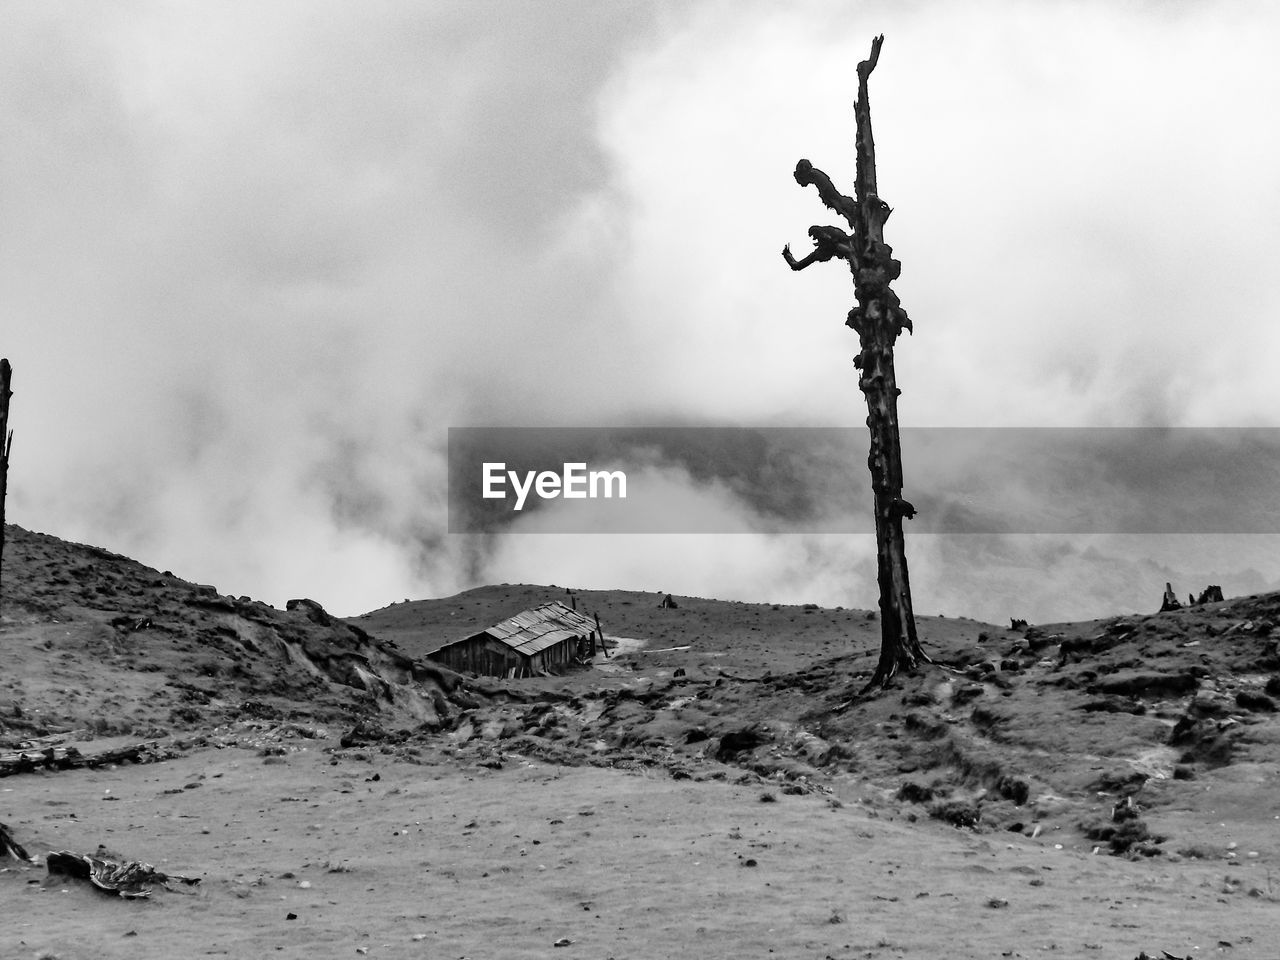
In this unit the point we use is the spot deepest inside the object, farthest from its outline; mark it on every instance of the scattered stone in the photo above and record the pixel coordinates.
(1114, 705)
(1146, 683)
(958, 813)
(739, 741)
(1014, 788)
(913, 792)
(1258, 702)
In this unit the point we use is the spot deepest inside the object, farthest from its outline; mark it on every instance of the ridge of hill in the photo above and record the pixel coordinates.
(98, 645)
(1110, 732)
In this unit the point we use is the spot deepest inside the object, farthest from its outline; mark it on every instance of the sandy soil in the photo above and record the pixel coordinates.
(449, 860)
(720, 790)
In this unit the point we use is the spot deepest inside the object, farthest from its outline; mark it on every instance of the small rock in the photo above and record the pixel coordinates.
(997, 903)
(562, 942)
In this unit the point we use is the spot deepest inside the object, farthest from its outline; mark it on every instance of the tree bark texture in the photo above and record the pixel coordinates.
(6, 443)
(878, 319)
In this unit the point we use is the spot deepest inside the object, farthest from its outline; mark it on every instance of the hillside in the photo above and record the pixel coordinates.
(300, 745)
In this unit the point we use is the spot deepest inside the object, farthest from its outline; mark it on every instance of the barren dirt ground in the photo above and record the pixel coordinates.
(729, 798)
(448, 860)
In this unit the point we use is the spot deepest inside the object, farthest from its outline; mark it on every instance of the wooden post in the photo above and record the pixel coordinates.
(601, 632)
(6, 444)
(878, 319)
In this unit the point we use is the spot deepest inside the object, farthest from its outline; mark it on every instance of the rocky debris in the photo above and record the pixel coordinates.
(1014, 788)
(1206, 732)
(913, 792)
(1252, 700)
(70, 758)
(1037, 639)
(131, 880)
(1124, 831)
(311, 610)
(1114, 705)
(1210, 594)
(958, 813)
(739, 741)
(1075, 649)
(1146, 683)
(365, 733)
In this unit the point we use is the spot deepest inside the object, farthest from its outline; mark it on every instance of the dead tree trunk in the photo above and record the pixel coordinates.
(6, 442)
(878, 318)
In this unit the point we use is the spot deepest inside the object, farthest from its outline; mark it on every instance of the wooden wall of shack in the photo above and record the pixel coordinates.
(485, 655)
(560, 657)
(480, 654)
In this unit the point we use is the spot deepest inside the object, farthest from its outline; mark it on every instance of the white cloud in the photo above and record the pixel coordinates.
(258, 258)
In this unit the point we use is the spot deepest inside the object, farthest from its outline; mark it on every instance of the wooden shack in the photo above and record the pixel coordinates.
(547, 639)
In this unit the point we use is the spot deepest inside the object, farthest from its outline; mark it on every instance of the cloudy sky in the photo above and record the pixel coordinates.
(259, 257)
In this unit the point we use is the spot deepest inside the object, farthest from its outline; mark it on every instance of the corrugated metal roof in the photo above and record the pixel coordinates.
(532, 631)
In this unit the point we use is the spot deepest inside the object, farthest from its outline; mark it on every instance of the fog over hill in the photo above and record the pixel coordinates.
(259, 259)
